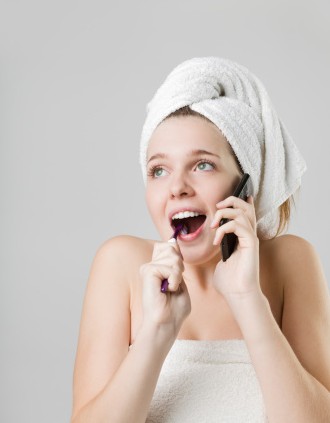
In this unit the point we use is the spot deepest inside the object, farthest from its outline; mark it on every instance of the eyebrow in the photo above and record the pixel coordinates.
(192, 153)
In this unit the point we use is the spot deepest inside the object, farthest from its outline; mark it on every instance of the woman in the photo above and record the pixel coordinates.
(240, 340)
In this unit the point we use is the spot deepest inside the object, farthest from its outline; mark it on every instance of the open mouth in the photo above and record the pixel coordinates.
(190, 224)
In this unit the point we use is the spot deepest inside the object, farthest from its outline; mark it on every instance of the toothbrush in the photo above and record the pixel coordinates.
(178, 229)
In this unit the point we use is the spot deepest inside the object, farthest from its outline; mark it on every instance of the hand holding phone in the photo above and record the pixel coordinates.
(229, 241)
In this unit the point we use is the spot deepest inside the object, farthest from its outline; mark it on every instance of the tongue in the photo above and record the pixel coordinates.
(193, 223)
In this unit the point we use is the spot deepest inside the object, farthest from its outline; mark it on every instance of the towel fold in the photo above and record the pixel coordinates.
(236, 101)
(207, 382)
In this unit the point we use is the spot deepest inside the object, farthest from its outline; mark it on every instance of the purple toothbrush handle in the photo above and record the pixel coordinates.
(164, 285)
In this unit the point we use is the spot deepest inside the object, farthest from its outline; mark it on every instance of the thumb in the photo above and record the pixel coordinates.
(175, 245)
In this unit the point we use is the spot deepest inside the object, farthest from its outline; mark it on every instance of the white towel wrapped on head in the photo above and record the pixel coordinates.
(236, 101)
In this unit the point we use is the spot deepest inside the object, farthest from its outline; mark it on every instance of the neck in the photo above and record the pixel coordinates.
(201, 275)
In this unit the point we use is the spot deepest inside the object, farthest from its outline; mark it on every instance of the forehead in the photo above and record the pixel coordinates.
(177, 134)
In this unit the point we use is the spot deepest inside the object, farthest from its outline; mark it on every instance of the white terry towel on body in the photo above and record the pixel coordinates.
(207, 382)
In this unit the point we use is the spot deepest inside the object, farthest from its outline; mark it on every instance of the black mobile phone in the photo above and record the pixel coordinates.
(229, 241)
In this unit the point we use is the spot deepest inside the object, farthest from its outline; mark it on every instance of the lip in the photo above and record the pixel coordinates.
(193, 236)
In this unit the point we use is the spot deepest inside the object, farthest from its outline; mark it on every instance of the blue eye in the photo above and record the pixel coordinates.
(205, 165)
(156, 172)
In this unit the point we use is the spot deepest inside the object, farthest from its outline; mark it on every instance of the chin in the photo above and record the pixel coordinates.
(196, 256)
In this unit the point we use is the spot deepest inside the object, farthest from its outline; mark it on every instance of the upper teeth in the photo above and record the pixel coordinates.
(183, 215)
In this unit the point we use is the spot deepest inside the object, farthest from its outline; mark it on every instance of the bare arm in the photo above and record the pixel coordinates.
(293, 367)
(128, 394)
(112, 383)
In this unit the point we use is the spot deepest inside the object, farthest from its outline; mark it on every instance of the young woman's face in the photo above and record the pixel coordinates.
(190, 168)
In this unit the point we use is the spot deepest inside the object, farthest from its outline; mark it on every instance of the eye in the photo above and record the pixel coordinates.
(156, 172)
(205, 165)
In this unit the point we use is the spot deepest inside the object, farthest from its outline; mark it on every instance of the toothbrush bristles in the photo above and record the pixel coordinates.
(184, 230)
(178, 229)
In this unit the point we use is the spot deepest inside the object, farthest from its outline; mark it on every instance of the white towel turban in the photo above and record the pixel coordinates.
(236, 101)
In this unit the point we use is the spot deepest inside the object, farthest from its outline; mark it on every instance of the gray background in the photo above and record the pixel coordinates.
(75, 79)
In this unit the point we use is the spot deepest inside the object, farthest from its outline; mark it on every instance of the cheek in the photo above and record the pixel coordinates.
(217, 191)
(154, 202)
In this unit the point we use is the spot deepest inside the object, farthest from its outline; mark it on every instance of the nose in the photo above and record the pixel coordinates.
(180, 186)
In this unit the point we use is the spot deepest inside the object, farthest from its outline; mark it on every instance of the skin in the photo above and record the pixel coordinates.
(272, 294)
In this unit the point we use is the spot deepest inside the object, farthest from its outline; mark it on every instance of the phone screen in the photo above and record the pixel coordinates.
(229, 241)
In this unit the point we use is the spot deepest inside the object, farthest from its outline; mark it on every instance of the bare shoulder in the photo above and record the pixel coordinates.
(121, 258)
(126, 244)
(118, 259)
(104, 335)
(296, 260)
(286, 245)
(306, 302)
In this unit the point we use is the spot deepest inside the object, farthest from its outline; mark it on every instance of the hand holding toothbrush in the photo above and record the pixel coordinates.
(166, 301)
(172, 240)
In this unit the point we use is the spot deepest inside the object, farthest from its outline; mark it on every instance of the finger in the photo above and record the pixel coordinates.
(164, 246)
(165, 250)
(250, 200)
(235, 202)
(227, 214)
(238, 203)
(155, 273)
(153, 276)
(242, 232)
(173, 261)
(173, 242)
(174, 280)
(233, 214)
